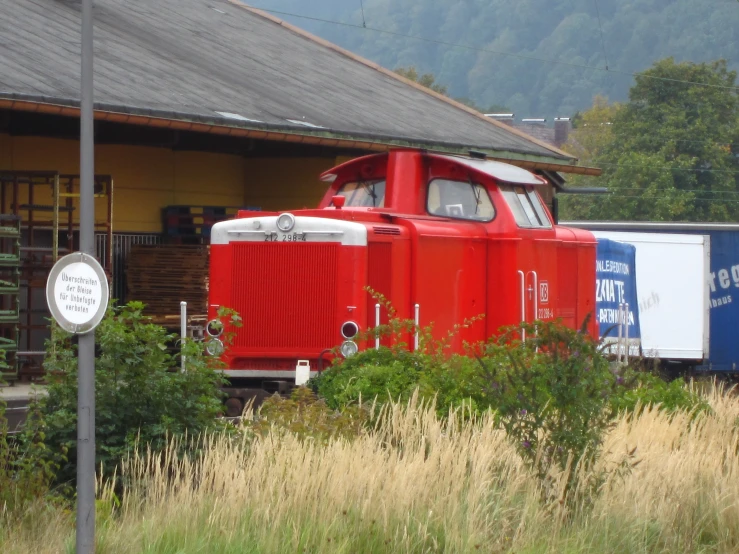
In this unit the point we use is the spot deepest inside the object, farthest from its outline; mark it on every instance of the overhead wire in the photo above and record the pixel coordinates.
(701, 191)
(669, 138)
(699, 194)
(669, 168)
(364, 22)
(614, 194)
(602, 41)
(497, 52)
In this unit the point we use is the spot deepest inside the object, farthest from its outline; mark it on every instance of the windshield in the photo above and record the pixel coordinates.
(460, 200)
(364, 194)
(526, 206)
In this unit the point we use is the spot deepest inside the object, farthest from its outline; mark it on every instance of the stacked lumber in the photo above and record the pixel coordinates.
(163, 275)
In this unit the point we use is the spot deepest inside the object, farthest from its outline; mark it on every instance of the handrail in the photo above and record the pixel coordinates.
(377, 326)
(535, 295)
(417, 321)
(626, 330)
(522, 281)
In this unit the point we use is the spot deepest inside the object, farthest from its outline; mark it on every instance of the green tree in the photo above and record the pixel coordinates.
(592, 132)
(670, 153)
(427, 79)
(492, 108)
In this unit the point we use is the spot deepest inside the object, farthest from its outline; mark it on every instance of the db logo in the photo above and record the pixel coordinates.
(544, 292)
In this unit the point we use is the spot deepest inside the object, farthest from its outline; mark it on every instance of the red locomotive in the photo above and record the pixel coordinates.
(443, 237)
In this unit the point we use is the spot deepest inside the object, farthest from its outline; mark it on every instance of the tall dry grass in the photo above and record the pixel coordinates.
(419, 484)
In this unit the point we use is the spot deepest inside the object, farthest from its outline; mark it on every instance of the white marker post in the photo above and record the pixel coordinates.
(183, 333)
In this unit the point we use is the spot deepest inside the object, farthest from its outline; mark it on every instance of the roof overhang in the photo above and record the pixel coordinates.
(185, 121)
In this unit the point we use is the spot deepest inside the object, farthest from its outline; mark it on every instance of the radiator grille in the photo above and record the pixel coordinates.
(285, 294)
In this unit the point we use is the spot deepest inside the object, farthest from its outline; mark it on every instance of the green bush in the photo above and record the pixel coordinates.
(555, 393)
(386, 374)
(141, 397)
(371, 374)
(395, 372)
(27, 466)
(552, 392)
(645, 388)
(308, 417)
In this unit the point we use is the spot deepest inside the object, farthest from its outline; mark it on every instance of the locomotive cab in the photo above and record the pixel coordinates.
(444, 238)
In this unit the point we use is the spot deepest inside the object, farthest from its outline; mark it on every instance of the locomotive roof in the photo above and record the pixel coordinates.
(220, 64)
(501, 171)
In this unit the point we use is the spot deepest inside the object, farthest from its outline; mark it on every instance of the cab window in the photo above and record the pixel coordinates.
(364, 194)
(459, 200)
(526, 206)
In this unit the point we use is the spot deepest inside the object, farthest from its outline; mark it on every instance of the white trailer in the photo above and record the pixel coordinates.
(672, 275)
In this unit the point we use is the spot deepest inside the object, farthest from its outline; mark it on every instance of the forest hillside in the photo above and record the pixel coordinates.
(538, 58)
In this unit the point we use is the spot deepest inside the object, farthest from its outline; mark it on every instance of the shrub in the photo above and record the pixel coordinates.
(555, 394)
(140, 394)
(552, 393)
(308, 417)
(380, 374)
(385, 375)
(393, 373)
(645, 387)
(27, 467)
(454, 383)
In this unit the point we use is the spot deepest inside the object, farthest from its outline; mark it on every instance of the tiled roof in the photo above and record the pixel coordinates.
(219, 61)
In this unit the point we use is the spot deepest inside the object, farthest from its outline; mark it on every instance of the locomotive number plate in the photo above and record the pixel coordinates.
(284, 237)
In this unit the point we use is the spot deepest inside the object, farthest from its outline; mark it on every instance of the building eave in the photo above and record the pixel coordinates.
(185, 121)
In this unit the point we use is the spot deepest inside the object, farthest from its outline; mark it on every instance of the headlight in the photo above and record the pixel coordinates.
(285, 222)
(348, 348)
(214, 328)
(349, 330)
(214, 347)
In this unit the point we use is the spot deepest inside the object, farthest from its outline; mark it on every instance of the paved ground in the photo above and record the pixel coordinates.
(20, 391)
(16, 398)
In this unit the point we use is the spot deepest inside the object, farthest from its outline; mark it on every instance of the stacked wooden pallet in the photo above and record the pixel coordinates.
(163, 275)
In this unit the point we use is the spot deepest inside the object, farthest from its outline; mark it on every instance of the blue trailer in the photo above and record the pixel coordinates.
(720, 288)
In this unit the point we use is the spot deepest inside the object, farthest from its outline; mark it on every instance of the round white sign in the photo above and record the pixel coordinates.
(77, 293)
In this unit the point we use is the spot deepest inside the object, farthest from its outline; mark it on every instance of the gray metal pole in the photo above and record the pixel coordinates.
(86, 352)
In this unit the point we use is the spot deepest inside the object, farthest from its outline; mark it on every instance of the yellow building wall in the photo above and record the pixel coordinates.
(285, 184)
(143, 179)
(147, 179)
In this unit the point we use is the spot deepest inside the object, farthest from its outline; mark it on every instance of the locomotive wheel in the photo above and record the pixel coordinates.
(234, 407)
